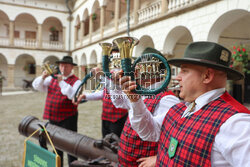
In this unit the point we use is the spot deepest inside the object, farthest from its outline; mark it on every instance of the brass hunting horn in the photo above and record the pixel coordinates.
(106, 49)
(146, 64)
(50, 69)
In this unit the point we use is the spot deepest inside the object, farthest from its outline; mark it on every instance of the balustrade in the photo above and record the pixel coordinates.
(96, 35)
(85, 40)
(78, 44)
(176, 4)
(52, 45)
(123, 21)
(149, 12)
(33, 43)
(4, 41)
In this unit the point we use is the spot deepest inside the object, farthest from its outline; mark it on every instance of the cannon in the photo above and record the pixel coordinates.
(68, 141)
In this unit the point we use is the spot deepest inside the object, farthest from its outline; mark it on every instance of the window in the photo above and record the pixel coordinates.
(54, 36)
(30, 35)
(32, 68)
(16, 34)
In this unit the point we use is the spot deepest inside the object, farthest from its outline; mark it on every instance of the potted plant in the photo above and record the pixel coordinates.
(240, 63)
(52, 29)
(94, 16)
(240, 58)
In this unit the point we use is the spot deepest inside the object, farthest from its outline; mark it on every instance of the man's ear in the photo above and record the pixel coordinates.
(208, 75)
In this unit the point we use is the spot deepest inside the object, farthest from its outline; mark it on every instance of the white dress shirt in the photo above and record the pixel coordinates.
(98, 95)
(231, 146)
(66, 89)
(141, 119)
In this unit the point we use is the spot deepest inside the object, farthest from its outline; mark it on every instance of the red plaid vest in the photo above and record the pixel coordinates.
(109, 111)
(131, 146)
(58, 107)
(196, 133)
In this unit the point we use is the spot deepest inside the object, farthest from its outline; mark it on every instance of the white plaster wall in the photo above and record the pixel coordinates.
(38, 55)
(197, 22)
(3, 28)
(40, 15)
(45, 4)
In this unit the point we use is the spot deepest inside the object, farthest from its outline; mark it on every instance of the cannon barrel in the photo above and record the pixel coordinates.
(71, 142)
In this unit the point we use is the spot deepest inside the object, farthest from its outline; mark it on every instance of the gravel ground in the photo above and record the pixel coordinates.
(13, 108)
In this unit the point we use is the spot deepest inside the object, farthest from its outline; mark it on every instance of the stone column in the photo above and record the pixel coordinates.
(136, 8)
(10, 76)
(64, 37)
(83, 67)
(11, 32)
(117, 14)
(102, 20)
(75, 34)
(76, 71)
(90, 28)
(39, 37)
(164, 6)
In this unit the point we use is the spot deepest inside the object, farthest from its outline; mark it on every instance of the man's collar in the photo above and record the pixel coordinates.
(64, 78)
(208, 97)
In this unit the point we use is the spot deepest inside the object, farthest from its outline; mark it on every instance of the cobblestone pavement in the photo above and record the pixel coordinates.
(13, 108)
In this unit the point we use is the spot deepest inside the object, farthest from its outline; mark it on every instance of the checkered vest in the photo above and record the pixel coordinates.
(109, 111)
(131, 146)
(195, 133)
(58, 107)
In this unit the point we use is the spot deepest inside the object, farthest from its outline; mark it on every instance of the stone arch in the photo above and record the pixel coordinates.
(83, 65)
(176, 41)
(51, 59)
(52, 30)
(28, 16)
(223, 22)
(24, 69)
(83, 59)
(144, 42)
(93, 58)
(55, 17)
(95, 15)
(4, 25)
(236, 33)
(4, 68)
(75, 60)
(109, 14)
(25, 28)
(85, 20)
(233, 30)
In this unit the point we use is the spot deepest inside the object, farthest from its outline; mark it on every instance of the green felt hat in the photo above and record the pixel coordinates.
(149, 50)
(208, 54)
(66, 60)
